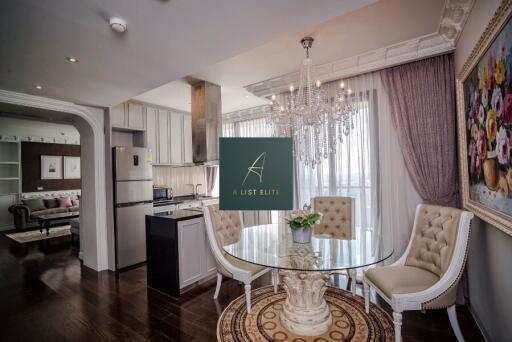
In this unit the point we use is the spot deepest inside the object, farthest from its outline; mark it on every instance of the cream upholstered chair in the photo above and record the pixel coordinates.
(224, 228)
(338, 222)
(427, 274)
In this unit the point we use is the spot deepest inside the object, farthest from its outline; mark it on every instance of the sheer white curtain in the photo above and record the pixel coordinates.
(353, 170)
(256, 127)
(368, 166)
(398, 197)
(252, 128)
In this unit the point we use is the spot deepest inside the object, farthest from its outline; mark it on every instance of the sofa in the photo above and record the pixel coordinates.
(26, 213)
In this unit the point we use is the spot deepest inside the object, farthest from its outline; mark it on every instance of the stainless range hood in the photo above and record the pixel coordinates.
(206, 122)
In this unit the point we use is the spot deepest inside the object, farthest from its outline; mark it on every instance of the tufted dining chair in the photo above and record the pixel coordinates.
(338, 222)
(223, 228)
(427, 274)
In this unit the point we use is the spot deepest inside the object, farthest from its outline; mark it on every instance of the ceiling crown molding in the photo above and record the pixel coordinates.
(245, 114)
(453, 19)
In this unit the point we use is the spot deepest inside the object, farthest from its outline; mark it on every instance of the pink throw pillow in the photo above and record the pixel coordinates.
(64, 202)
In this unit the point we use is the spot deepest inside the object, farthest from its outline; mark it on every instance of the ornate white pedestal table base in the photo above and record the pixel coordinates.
(305, 311)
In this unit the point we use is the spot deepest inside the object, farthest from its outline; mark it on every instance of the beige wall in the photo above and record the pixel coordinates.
(490, 254)
(179, 177)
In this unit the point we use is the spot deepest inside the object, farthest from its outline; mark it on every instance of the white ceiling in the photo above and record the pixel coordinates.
(375, 26)
(165, 41)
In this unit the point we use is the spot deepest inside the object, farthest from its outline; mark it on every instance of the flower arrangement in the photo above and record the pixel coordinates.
(303, 218)
(489, 120)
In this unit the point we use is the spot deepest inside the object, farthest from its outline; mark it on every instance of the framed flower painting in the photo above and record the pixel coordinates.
(484, 103)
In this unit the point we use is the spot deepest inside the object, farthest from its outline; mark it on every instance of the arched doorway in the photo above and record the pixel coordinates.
(96, 239)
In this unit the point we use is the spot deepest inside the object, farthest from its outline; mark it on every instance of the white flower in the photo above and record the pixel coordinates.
(485, 98)
(503, 146)
(481, 115)
(497, 101)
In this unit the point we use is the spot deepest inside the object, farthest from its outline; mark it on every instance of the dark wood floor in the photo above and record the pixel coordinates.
(46, 295)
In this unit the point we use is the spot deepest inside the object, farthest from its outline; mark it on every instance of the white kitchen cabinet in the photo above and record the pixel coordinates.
(128, 116)
(191, 253)
(135, 116)
(117, 116)
(176, 138)
(151, 137)
(195, 259)
(187, 138)
(163, 137)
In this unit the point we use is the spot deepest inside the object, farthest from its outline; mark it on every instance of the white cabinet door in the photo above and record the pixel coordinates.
(191, 255)
(117, 116)
(176, 138)
(163, 137)
(152, 132)
(187, 138)
(135, 116)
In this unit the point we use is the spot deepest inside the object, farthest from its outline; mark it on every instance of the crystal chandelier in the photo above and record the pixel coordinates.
(313, 116)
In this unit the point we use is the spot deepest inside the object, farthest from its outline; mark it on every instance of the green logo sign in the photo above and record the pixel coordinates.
(256, 174)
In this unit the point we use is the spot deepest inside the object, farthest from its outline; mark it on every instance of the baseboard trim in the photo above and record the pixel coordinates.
(479, 324)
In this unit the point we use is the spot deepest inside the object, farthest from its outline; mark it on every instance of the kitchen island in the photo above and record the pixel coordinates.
(178, 252)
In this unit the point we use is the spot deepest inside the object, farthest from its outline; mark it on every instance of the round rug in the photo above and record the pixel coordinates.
(350, 321)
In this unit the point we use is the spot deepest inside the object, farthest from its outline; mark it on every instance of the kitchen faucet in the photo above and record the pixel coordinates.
(195, 192)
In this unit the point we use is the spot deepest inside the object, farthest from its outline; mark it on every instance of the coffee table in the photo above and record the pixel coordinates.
(46, 220)
(305, 269)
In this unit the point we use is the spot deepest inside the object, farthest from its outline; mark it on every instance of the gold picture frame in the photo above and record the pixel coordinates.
(483, 207)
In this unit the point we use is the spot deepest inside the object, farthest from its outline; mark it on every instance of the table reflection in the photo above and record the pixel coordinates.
(272, 246)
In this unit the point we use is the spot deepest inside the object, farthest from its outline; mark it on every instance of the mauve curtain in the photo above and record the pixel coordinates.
(422, 96)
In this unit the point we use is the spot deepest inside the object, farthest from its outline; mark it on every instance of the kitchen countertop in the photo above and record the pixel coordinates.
(179, 215)
(184, 199)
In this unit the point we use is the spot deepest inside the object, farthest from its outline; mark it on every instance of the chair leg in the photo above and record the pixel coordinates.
(248, 297)
(452, 315)
(219, 283)
(275, 279)
(366, 291)
(397, 320)
(353, 280)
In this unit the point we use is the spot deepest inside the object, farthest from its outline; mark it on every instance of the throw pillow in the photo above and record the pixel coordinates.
(34, 204)
(64, 202)
(75, 202)
(50, 203)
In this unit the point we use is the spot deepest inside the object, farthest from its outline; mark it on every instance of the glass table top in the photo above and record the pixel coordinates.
(272, 246)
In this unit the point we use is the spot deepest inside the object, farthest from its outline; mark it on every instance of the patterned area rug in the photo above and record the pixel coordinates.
(350, 322)
(35, 235)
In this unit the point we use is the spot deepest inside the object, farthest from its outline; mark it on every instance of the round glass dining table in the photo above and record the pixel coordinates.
(305, 268)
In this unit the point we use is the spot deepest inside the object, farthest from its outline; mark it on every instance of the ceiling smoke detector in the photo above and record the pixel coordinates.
(117, 24)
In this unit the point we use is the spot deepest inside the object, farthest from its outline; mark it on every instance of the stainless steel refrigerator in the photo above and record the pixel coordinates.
(133, 200)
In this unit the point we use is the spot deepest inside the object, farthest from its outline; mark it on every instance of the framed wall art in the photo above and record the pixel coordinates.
(71, 167)
(51, 167)
(484, 106)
